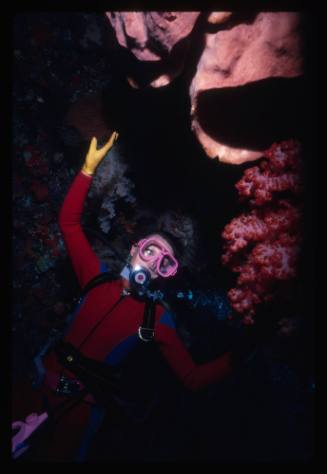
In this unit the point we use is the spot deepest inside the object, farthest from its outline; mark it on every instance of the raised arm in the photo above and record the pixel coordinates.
(85, 262)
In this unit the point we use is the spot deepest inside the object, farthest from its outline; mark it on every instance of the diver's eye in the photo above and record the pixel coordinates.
(148, 252)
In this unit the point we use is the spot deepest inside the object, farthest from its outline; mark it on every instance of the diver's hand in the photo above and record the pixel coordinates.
(94, 156)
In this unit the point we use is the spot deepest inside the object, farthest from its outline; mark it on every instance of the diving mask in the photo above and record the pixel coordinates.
(152, 250)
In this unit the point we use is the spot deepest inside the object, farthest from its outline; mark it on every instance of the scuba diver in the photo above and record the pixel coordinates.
(97, 378)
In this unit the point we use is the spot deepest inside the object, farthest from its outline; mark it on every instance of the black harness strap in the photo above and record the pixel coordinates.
(146, 331)
(97, 280)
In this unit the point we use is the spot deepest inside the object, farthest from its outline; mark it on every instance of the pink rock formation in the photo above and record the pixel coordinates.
(152, 37)
(268, 47)
(247, 52)
(237, 53)
(217, 18)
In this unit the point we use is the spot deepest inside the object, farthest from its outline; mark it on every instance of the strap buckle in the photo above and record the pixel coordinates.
(146, 334)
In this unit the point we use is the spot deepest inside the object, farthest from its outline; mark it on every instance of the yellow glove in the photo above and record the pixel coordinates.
(94, 156)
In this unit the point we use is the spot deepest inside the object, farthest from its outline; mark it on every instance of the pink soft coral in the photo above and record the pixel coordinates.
(263, 245)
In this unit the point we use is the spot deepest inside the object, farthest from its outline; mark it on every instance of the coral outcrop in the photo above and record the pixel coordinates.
(237, 50)
(153, 37)
(263, 245)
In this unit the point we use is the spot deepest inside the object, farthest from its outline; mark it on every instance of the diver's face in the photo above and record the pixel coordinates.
(152, 256)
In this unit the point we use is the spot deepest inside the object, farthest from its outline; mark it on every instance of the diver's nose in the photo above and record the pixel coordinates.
(152, 266)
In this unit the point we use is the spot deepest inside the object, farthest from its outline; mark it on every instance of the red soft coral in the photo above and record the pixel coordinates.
(280, 171)
(263, 245)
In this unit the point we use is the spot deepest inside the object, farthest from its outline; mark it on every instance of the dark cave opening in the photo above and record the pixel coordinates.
(255, 115)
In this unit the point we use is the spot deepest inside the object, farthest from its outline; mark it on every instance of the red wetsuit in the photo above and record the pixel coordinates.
(117, 334)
